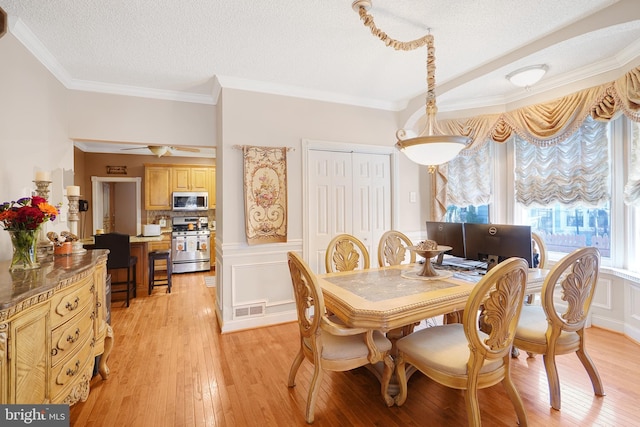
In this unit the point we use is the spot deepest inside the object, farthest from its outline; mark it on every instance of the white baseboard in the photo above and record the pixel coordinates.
(258, 322)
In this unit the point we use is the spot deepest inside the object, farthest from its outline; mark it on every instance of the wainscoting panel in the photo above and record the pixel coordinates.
(256, 285)
(603, 297)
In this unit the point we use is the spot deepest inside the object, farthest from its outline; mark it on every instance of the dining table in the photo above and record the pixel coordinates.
(391, 298)
(387, 298)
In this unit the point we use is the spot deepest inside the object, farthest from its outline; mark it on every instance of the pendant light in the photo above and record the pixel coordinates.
(431, 147)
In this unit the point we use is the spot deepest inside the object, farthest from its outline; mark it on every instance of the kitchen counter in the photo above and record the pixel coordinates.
(132, 239)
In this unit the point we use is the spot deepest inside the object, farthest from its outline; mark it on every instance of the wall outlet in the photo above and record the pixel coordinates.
(162, 222)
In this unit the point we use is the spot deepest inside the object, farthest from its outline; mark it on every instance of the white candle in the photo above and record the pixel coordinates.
(43, 176)
(73, 190)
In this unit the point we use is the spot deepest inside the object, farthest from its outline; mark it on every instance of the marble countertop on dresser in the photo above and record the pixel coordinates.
(18, 286)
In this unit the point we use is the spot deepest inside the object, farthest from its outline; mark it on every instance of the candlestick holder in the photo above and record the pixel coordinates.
(42, 189)
(73, 218)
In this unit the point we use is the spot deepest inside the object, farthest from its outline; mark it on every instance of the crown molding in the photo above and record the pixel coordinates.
(20, 30)
(25, 36)
(142, 92)
(229, 82)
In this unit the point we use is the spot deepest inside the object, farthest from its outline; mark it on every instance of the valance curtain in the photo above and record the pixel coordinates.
(575, 170)
(549, 123)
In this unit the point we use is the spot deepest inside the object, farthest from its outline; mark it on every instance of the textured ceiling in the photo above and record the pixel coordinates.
(320, 49)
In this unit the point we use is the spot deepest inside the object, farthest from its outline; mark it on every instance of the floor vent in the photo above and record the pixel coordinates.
(249, 311)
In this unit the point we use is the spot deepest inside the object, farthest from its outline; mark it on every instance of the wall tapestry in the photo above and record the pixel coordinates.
(265, 194)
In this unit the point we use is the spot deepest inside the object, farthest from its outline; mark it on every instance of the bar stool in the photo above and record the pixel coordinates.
(165, 273)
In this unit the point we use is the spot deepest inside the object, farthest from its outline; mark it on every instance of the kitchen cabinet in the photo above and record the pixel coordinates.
(157, 188)
(190, 178)
(160, 181)
(163, 245)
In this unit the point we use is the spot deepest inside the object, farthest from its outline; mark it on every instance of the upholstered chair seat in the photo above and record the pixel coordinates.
(348, 347)
(445, 349)
(533, 326)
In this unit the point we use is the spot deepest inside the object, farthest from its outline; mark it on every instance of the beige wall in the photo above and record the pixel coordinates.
(271, 120)
(132, 119)
(258, 275)
(33, 128)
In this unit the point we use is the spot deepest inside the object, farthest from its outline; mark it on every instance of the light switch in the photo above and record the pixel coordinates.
(412, 197)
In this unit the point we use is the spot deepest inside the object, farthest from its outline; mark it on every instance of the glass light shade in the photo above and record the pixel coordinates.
(528, 76)
(159, 150)
(432, 150)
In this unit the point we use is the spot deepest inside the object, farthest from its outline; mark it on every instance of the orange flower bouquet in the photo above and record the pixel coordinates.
(22, 219)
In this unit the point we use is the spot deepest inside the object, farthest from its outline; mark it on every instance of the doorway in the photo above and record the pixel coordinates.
(350, 191)
(117, 204)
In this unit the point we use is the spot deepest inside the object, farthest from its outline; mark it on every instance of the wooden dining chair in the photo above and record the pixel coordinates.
(540, 249)
(461, 356)
(329, 345)
(554, 328)
(392, 249)
(346, 253)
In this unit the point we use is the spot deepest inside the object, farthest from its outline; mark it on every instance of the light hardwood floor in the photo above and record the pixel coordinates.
(170, 366)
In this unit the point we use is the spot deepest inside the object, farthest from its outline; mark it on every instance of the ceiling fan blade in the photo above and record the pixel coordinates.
(189, 149)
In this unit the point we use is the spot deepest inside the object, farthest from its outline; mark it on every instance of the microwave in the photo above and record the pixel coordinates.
(190, 201)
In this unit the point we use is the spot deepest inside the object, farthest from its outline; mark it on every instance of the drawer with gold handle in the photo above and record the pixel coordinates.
(68, 304)
(68, 374)
(67, 337)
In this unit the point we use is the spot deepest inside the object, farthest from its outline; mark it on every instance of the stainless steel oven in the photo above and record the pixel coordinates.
(190, 249)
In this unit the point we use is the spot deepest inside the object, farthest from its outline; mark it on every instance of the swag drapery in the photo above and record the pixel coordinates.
(544, 125)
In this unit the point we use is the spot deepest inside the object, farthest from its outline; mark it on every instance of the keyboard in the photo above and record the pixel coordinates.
(448, 267)
(463, 263)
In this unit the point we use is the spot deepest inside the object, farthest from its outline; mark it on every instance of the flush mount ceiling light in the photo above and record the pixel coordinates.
(527, 76)
(431, 147)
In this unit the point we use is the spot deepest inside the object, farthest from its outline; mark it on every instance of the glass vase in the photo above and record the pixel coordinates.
(24, 249)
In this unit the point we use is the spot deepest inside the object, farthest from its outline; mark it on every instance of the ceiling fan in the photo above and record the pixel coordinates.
(164, 150)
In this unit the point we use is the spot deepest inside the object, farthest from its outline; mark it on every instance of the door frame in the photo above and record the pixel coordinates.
(96, 193)
(309, 144)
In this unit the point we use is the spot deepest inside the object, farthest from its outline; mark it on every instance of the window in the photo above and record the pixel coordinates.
(565, 229)
(604, 221)
(470, 213)
(563, 190)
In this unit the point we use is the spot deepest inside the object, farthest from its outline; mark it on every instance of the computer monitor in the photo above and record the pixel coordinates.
(447, 234)
(493, 243)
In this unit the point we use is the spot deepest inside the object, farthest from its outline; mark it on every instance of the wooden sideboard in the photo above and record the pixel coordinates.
(53, 324)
